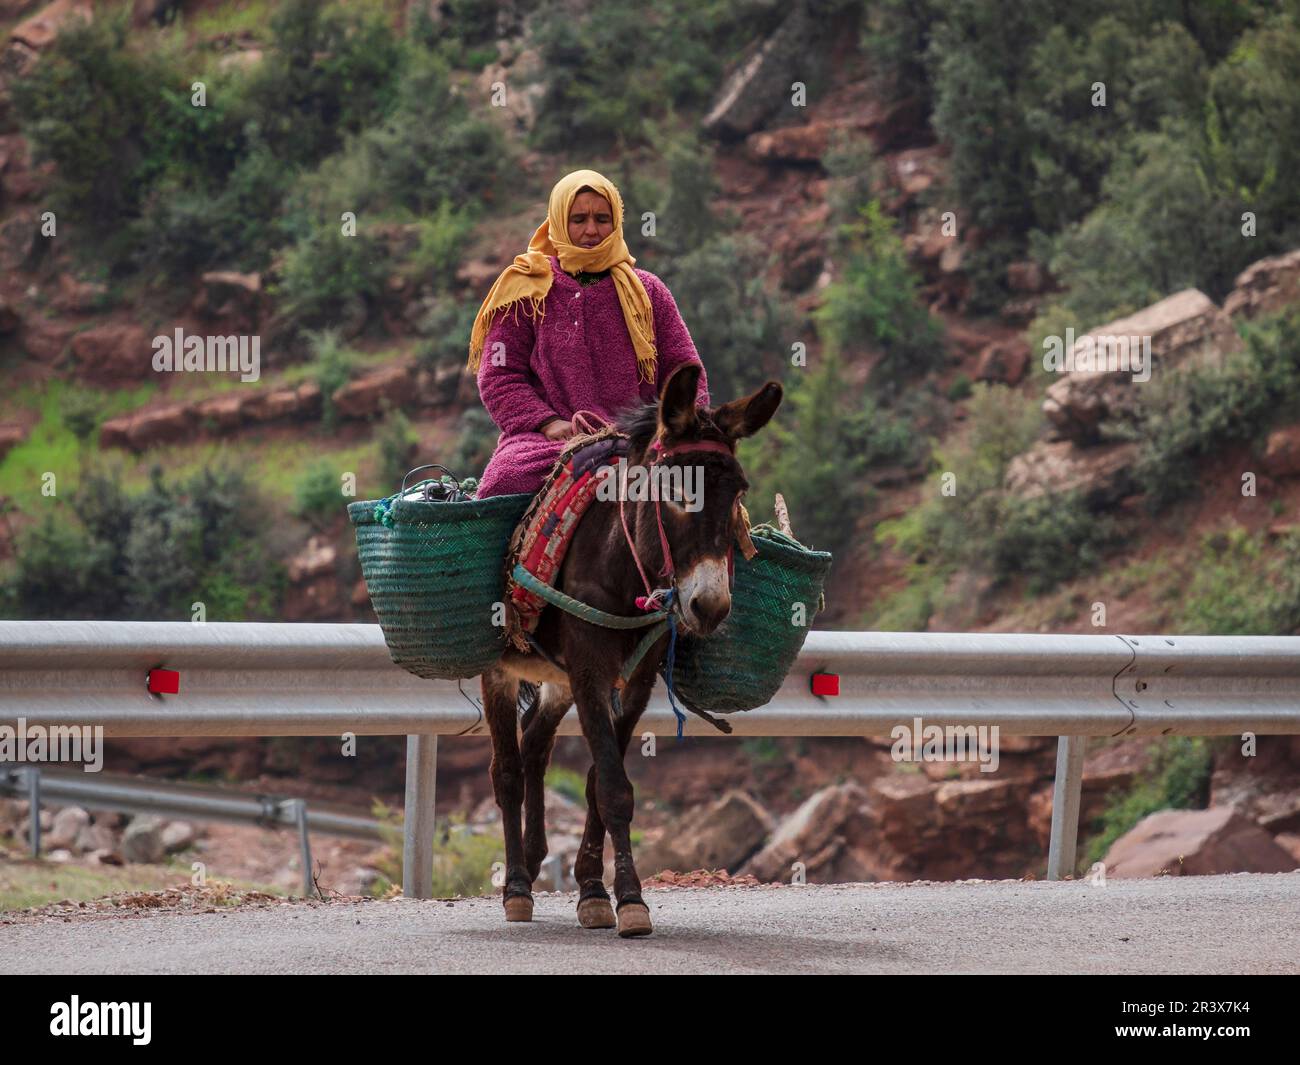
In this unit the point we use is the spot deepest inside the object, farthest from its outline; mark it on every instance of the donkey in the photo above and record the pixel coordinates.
(585, 659)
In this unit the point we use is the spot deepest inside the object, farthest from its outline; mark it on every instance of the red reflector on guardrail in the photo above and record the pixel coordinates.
(825, 684)
(164, 681)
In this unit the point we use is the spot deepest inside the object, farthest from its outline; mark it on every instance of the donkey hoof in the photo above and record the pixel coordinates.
(519, 908)
(634, 920)
(595, 913)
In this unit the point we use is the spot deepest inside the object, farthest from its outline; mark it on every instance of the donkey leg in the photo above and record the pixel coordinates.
(594, 909)
(500, 691)
(614, 801)
(539, 741)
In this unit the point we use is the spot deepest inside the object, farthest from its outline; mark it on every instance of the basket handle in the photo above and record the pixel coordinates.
(427, 466)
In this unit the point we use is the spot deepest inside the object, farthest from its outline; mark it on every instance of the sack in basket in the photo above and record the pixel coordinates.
(433, 571)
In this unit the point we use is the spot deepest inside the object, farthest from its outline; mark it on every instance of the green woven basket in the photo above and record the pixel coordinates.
(434, 577)
(742, 665)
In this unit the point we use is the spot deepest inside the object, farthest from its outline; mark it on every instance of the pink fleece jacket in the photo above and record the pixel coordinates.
(579, 358)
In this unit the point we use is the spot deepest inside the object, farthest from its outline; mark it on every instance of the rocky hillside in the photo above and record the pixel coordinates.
(1150, 498)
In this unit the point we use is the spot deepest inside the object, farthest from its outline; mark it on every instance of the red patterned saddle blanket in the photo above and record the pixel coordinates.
(544, 534)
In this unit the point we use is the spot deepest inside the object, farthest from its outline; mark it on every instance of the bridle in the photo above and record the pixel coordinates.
(659, 455)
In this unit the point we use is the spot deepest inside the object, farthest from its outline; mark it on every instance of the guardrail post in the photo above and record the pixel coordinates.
(299, 815)
(34, 809)
(1065, 806)
(417, 846)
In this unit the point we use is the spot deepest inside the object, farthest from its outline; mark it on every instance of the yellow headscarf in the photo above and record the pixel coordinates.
(529, 277)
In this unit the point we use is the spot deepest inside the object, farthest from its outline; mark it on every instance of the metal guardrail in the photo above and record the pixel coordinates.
(167, 799)
(248, 679)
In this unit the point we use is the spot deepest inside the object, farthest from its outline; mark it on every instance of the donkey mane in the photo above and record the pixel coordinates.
(640, 424)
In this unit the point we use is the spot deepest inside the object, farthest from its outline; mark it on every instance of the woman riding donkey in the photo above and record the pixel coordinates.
(571, 326)
(598, 336)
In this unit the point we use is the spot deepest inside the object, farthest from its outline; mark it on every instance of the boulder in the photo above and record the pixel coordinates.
(96, 837)
(68, 825)
(116, 351)
(43, 28)
(10, 437)
(721, 835)
(792, 144)
(1004, 362)
(1196, 843)
(1103, 474)
(814, 835)
(221, 412)
(1265, 287)
(177, 835)
(1282, 452)
(21, 242)
(115, 432)
(1184, 329)
(309, 399)
(524, 89)
(317, 559)
(160, 425)
(228, 294)
(372, 394)
(759, 86)
(270, 405)
(75, 296)
(44, 339)
(142, 841)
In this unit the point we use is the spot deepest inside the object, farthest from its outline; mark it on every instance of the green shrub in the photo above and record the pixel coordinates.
(874, 304)
(475, 444)
(1178, 778)
(396, 442)
(573, 786)
(815, 453)
(329, 72)
(446, 329)
(978, 525)
(324, 274)
(737, 325)
(610, 70)
(334, 366)
(1239, 588)
(317, 498)
(113, 556)
(1183, 417)
(462, 860)
(442, 239)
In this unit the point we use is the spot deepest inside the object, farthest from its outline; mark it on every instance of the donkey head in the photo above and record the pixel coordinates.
(693, 454)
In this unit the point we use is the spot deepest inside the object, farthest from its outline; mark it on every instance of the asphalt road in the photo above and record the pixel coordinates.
(1245, 923)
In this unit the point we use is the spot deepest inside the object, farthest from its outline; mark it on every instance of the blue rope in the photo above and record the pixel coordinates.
(672, 656)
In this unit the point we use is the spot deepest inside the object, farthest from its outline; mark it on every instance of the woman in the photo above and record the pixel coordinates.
(595, 334)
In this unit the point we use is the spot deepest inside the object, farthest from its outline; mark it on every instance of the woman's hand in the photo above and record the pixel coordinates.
(557, 429)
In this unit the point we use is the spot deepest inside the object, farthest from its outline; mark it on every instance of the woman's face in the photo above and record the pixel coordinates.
(590, 219)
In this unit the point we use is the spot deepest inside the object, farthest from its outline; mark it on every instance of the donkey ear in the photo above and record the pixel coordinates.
(745, 417)
(677, 406)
